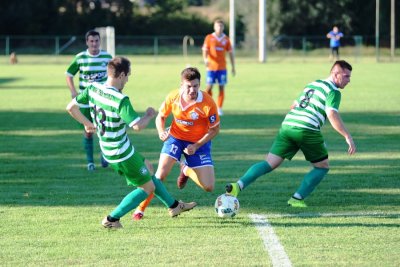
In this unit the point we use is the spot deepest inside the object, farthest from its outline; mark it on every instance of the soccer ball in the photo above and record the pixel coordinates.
(226, 206)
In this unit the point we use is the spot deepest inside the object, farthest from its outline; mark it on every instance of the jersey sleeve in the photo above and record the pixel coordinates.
(206, 44)
(333, 100)
(228, 46)
(83, 97)
(127, 112)
(166, 106)
(213, 117)
(73, 68)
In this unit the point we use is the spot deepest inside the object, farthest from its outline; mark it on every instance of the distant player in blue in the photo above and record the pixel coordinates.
(334, 35)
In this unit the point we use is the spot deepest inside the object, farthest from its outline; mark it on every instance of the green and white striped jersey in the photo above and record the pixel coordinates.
(111, 112)
(92, 68)
(311, 105)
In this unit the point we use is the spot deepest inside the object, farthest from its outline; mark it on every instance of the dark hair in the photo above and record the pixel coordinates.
(91, 33)
(118, 65)
(342, 64)
(190, 74)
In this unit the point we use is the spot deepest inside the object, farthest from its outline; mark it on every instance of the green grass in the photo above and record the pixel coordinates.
(51, 207)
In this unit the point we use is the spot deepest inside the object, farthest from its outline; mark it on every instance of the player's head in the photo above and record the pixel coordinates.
(190, 83)
(335, 29)
(93, 41)
(118, 70)
(219, 26)
(341, 73)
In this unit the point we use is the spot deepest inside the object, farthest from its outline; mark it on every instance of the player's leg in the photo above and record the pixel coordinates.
(222, 80)
(139, 212)
(136, 174)
(88, 142)
(314, 150)
(210, 80)
(170, 153)
(203, 176)
(281, 148)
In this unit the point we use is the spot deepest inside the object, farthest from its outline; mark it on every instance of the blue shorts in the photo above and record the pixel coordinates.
(174, 148)
(219, 76)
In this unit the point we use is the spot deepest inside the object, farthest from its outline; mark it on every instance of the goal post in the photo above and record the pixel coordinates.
(107, 39)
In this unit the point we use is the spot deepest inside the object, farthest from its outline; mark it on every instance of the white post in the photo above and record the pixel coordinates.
(392, 28)
(262, 31)
(377, 30)
(232, 23)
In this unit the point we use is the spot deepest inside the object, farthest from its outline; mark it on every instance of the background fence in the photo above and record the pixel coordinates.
(279, 46)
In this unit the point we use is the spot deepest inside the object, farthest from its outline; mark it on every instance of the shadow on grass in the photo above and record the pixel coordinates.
(43, 164)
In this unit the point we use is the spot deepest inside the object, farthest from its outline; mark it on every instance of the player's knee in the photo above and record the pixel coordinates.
(208, 188)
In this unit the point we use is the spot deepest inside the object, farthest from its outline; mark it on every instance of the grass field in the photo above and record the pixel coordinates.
(51, 207)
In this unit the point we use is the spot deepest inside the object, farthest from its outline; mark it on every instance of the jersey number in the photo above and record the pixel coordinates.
(307, 98)
(100, 122)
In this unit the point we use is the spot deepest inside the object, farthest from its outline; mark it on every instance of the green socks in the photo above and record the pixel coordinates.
(162, 193)
(131, 201)
(254, 172)
(311, 180)
(88, 145)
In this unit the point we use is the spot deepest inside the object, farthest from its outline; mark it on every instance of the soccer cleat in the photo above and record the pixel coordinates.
(297, 203)
(104, 163)
(232, 189)
(111, 225)
(90, 166)
(137, 215)
(182, 178)
(182, 207)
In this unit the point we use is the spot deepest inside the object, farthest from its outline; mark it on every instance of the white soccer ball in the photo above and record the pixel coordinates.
(226, 206)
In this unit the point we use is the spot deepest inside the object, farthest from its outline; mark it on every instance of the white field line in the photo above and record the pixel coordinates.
(275, 250)
(271, 242)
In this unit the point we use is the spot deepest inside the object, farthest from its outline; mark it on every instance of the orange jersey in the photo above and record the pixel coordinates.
(193, 122)
(216, 48)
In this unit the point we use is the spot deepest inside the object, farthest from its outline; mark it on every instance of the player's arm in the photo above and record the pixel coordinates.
(144, 121)
(205, 57)
(212, 132)
(71, 85)
(337, 124)
(160, 125)
(74, 111)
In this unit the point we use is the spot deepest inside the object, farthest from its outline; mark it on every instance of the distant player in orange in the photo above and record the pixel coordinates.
(214, 48)
(195, 122)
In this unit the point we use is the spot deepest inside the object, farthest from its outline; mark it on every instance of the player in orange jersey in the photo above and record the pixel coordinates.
(195, 122)
(214, 48)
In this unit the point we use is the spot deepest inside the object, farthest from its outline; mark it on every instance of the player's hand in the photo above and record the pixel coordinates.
(190, 149)
(151, 112)
(164, 135)
(352, 145)
(90, 128)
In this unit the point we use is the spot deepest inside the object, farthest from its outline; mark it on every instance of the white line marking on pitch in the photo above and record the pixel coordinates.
(271, 242)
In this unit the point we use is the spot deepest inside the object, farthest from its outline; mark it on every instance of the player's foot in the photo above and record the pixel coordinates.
(90, 166)
(137, 215)
(297, 203)
(182, 207)
(112, 225)
(232, 189)
(104, 163)
(182, 178)
(220, 112)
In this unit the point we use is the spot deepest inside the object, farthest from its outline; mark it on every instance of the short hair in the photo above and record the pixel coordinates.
(91, 33)
(118, 65)
(190, 74)
(342, 64)
(219, 21)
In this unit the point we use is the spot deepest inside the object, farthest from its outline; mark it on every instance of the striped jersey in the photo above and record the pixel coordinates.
(216, 47)
(111, 112)
(92, 68)
(312, 104)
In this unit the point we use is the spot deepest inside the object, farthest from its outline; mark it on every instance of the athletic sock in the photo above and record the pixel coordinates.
(311, 180)
(143, 205)
(129, 202)
(162, 193)
(254, 172)
(88, 146)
